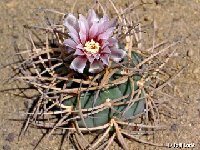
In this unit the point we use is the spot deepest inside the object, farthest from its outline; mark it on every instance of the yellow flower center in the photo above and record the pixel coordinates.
(92, 46)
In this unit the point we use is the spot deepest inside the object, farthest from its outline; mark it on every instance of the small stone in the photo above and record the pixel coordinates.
(190, 53)
(10, 137)
(196, 70)
(198, 112)
(34, 143)
(146, 19)
(157, 2)
(6, 147)
(174, 127)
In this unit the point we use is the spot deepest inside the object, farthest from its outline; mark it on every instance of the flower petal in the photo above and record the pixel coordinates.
(103, 23)
(92, 17)
(106, 50)
(103, 43)
(80, 46)
(105, 58)
(112, 23)
(90, 58)
(117, 54)
(70, 43)
(79, 52)
(71, 23)
(105, 35)
(69, 49)
(93, 30)
(70, 20)
(78, 64)
(83, 32)
(85, 22)
(83, 37)
(84, 28)
(96, 66)
(74, 37)
(113, 42)
(104, 19)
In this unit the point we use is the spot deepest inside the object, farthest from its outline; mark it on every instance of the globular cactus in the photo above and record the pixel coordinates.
(114, 93)
(87, 82)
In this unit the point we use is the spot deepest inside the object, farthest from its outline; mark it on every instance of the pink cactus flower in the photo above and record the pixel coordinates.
(92, 42)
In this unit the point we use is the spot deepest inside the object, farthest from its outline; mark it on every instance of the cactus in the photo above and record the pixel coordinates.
(87, 82)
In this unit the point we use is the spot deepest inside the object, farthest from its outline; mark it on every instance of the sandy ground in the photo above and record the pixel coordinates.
(174, 19)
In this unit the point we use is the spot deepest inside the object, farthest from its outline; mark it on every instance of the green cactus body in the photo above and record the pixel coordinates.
(104, 116)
